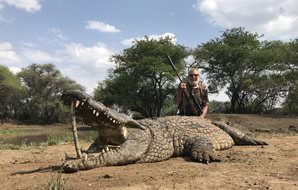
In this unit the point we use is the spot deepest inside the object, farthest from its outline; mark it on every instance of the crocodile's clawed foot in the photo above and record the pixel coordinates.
(202, 150)
(253, 141)
(204, 156)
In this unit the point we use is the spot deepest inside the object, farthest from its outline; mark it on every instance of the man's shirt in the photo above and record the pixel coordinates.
(200, 94)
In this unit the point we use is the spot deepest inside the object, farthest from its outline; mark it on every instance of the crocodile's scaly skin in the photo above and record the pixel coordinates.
(173, 133)
(147, 140)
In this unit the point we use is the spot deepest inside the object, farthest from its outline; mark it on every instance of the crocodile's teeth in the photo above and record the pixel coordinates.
(124, 132)
(114, 121)
(85, 157)
(77, 103)
(94, 111)
(97, 114)
(82, 103)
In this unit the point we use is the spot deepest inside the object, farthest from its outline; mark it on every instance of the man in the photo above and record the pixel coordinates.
(194, 87)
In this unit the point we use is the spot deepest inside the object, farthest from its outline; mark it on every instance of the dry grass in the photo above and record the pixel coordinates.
(56, 183)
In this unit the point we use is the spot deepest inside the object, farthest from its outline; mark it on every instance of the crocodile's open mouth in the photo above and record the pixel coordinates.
(112, 126)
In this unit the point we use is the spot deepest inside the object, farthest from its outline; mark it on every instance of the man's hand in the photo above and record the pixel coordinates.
(204, 111)
(182, 85)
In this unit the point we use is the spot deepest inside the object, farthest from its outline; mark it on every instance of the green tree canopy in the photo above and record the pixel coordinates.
(8, 81)
(10, 88)
(143, 80)
(248, 68)
(291, 73)
(44, 84)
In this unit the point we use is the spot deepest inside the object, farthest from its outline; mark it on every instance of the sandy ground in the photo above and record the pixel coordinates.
(242, 167)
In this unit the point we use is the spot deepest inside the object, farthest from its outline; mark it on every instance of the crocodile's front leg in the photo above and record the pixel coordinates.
(200, 149)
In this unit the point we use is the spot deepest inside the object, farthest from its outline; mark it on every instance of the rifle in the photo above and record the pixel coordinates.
(196, 107)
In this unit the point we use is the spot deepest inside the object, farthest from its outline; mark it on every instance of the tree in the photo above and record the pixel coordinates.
(291, 64)
(44, 84)
(247, 67)
(218, 107)
(10, 89)
(142, 80)
(267, 85)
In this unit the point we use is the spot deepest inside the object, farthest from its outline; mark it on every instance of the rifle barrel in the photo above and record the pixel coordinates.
(174, 68)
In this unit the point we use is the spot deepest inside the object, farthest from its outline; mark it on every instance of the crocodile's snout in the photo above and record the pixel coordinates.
(72, 95)
(97, 111)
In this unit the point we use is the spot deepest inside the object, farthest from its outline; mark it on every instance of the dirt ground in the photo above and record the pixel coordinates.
(242, 167)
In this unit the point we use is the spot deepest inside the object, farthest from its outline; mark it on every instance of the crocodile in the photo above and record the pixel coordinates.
(122, 140)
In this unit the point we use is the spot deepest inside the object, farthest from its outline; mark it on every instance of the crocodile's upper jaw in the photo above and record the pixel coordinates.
(113, 125)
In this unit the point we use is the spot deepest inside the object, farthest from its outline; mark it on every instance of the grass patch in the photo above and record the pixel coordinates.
(56, 183)
(57, 139)
(16, 131)
(10, 147)
(67, 137)
(6, 146)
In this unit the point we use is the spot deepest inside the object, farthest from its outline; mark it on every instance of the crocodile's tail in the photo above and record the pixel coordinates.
(238, 136)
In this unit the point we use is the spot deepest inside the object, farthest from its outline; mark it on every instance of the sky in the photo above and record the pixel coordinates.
(79, 37)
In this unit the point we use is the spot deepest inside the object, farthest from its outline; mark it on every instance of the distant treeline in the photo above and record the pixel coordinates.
(256, 75)
(33, 95)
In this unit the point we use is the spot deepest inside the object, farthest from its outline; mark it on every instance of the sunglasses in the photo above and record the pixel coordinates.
(193, 75)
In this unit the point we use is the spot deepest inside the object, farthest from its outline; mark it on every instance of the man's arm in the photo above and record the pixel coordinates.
(204, 110)
(205, 101)
(179, 93)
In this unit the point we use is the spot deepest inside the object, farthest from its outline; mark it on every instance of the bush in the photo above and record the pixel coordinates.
(218, 107)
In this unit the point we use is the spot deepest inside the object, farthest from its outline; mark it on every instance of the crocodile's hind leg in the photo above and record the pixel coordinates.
(200, 149)
(238, 136)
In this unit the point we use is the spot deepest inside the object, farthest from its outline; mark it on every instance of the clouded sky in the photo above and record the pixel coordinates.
(80, 36)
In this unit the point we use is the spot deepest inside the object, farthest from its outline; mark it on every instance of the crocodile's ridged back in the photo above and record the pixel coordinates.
(186, 127)
(170, 135)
